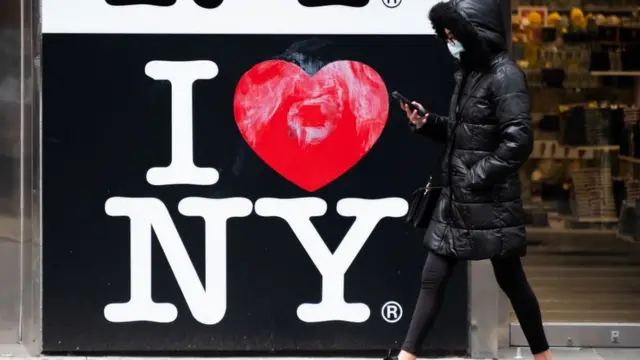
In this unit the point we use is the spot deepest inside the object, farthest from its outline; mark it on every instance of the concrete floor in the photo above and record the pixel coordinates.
(559, 354)
(577, 354)
(18, 352)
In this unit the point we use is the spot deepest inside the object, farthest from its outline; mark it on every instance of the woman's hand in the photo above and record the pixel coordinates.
(413, 115)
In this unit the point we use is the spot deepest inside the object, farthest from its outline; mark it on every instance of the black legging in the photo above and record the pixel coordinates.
(512, 281)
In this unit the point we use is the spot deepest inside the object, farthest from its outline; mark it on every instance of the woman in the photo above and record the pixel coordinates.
(488, 136)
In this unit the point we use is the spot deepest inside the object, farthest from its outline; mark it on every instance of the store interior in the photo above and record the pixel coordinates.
(582, 183)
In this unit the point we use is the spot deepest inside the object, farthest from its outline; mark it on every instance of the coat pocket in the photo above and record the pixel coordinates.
(479, 111)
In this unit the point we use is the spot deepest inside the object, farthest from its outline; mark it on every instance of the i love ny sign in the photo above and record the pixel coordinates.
(309, 124)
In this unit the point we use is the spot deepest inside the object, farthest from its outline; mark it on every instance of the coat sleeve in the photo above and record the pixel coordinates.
(513, 111)
(434, 128)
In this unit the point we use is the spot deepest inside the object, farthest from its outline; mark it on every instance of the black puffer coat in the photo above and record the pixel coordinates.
(488, 137)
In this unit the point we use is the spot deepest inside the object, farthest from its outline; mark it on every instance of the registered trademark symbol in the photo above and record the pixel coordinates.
(391, 311)
(391, 3)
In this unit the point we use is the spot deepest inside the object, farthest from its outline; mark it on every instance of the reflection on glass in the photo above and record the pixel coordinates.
(582, 182)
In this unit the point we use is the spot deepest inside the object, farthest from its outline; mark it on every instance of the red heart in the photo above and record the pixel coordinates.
(311, 130)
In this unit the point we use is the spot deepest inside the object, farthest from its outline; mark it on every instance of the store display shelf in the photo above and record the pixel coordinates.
(622, 178)
(616, 73)
(549, 230)
(598, 223)
(629, 159)
(606, 8)
(552, 149)
(597, 147)
(626, 238)
(593, 9)
(591, 219)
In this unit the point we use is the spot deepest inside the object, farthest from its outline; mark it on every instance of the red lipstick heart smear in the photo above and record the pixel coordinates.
(311, 130)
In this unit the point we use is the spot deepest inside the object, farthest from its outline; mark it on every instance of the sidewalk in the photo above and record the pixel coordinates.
(577, 354)
(508, 354)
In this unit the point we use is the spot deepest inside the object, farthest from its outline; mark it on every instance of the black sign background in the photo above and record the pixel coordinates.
(106, 123)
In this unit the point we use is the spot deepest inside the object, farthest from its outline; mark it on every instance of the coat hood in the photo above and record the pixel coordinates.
(477, 24)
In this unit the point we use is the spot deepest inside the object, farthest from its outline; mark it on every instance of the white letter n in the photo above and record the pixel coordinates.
(181, 75)
(298, 212)
(208, 304)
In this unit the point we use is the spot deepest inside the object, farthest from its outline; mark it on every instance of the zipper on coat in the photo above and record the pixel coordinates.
(458, 118)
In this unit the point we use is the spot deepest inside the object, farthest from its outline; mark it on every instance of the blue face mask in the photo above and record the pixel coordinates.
(455, 48)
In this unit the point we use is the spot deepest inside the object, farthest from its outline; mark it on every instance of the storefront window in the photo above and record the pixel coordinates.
(582, 183)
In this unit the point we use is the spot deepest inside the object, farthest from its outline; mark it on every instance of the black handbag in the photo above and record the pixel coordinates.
(423, 203)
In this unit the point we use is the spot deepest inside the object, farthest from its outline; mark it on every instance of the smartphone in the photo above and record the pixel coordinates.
(399, 97)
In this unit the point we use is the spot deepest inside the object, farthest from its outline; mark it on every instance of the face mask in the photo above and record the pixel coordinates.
(455, 48)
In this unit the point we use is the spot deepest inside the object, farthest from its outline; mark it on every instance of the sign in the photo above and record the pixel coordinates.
(231, 175)
(236, 17)
(543, 11)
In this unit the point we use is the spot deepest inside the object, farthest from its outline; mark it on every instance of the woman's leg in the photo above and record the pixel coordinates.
(513, 281)
(436, 272)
